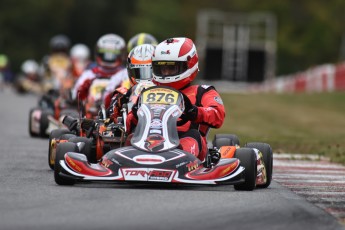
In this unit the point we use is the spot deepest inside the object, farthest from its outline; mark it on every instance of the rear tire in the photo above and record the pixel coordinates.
(61, 150)
(220, 140)
(56, 133)
(267, 156)
(32, 134)
(247, 158)
(44, 122)
(69, 112)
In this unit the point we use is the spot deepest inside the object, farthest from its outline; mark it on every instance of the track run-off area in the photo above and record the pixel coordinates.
(30, 198)
(316, 179)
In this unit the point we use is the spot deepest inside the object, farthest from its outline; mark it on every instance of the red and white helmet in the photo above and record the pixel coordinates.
(175, 62)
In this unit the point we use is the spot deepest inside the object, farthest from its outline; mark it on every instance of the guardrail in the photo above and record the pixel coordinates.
(323, 78)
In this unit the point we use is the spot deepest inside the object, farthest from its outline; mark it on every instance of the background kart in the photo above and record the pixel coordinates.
(154, 157)
(49, 113)
(100, 134)
(97, 136)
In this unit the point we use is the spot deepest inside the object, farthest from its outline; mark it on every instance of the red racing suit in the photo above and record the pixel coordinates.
(211, 114)
(84, 82)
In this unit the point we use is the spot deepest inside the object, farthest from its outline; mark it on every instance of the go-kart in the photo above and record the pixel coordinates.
(100, 135)
(154, 155)
(48, 115)
(94, 101)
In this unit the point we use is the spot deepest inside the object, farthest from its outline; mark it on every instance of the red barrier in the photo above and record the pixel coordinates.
(339, 79)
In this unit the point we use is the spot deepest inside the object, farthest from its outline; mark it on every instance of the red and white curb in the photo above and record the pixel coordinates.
(314, 178)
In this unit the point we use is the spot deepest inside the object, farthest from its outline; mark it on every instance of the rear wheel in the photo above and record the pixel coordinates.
(267, 156)
(61, 150)
(220, 140)
(56, 133)
(44, 122)
(247, 158)
(69, 112)
(32, 134)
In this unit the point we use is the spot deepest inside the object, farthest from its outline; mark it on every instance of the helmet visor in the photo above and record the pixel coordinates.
(169, 68)
(108, 56)
(141, 73)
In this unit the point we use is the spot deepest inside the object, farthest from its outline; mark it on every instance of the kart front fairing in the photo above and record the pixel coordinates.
(157, 118)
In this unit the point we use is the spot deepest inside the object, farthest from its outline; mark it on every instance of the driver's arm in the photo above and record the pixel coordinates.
(212, 111)
(131, 122)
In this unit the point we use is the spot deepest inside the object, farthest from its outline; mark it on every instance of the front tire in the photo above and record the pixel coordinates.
(247, 157)
(267, 156)
(56, 133)
(61, 150)
(87, 149)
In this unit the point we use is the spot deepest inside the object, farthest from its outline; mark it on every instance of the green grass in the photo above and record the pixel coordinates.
(291, 123)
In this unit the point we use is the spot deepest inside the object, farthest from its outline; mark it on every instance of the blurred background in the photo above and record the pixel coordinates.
(274, 37)
(279, 46)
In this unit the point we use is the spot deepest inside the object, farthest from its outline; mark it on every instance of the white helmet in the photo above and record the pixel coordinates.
(80, 52)
(139, 63)
(175, 62)
(30, 67)
(110, 51)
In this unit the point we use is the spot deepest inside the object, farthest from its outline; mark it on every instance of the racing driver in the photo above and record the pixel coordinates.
(175, 64)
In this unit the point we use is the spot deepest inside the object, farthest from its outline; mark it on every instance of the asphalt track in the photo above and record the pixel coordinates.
(30, 199)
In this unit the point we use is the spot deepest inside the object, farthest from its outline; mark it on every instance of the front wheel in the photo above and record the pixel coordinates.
(247, 157)
(86, 148)
(55, 134)
(267, 156)
(61, 150)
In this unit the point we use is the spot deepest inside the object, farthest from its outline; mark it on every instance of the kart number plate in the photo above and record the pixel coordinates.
(160, 96)
(97, 89)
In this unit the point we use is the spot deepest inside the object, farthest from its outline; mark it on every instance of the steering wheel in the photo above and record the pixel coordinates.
(187, 104)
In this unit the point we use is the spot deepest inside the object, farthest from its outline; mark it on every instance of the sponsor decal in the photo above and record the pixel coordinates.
(159, 175)
(156, 131)
(171, 40)
(73, 165)
(176, 113)
(218, 100)
(165, 52)
(144, 174)
(192, 165)
(106, 162)
(192, 149)
(156, 124)
(229, 169)
(149, 159)
(115, 161)
(181, 164)
(227, 151)
(154, 142)
(157, 106)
